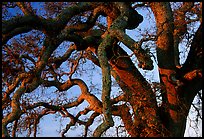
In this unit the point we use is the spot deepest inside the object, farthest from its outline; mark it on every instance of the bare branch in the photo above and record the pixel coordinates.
(25, 7)
(106, 86)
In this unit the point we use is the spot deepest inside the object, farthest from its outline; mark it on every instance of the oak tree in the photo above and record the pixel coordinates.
(46, 48)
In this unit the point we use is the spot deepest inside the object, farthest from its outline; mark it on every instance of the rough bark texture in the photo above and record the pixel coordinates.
(179, 84)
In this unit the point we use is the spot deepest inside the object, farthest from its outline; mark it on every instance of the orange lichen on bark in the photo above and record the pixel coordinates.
(164, 23)
(172, 95)
(193, 74)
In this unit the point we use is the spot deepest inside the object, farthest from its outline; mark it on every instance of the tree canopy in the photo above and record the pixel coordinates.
(48, 48)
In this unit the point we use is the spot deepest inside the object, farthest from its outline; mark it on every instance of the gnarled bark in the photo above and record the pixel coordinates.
(178, 85)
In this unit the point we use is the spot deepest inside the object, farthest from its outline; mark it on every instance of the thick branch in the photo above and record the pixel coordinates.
(191, 72)
(127, 120)
(164, 22)
(125, 72)
(25, 7)
(130, 19)
(106, 86)
(48, 26)
(12, 87)
(14, 32)
(194, 59)
(29, 21)
(69, 12)
(143, 57)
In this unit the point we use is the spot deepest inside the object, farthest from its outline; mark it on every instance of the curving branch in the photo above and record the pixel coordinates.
(130, 19)
(120, 23)
(22, 22)
(49, 27)
(14, 32)
(102, 48)
(143, 57)
(90, 122)
(74, 120)
(124, 72)
(106, 86)
(69, 12)
(95, 103)
(57, 61)
(15, 103)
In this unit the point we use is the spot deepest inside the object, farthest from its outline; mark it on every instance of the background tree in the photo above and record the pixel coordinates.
(48, 45)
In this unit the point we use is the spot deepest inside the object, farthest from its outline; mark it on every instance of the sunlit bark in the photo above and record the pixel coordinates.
(179, 84)
(175, 106)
